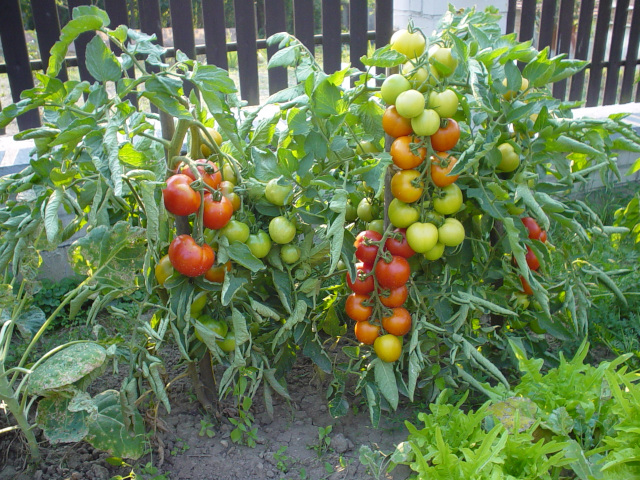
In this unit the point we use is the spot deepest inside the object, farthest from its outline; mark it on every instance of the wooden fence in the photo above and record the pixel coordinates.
(45, 14)
(560, 24)
(593, 30)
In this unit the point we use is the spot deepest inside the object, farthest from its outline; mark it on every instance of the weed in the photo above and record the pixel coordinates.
(283, 461)
(324, 440)
(180, 447)
(206, 429)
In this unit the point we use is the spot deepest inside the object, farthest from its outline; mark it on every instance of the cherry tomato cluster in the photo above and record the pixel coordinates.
(419, 118)
(535, 233)
(380, 291)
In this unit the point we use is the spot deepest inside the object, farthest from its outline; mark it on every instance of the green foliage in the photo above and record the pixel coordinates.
(576, 417)
(50, 296)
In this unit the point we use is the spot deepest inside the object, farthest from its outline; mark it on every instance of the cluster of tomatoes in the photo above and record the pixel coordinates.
(380, 291)
(419, 118)
(535, 233)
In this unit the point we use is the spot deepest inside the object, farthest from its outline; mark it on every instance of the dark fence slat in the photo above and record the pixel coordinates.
(615, 52)
(215, 33)
(151, 19)
(582, 47)
(597, 57)
(274, 23)
(45, 18)
(626, 91)
(358, 23)
(565, 33)
(511, 16)
(547, 24)
(528, 13)
(81, 44)
(247, 54)
(384, 25)
(16, 58)
(118, 14)
(182, 27)
(303, 23)
(331, 30)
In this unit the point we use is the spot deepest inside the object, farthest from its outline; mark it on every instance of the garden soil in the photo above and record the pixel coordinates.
(187, 445)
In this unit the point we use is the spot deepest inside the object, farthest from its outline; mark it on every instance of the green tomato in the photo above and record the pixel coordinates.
(451, 232)
(410, 104)
(420, 78)
(510, 160)
(366, 210)
(198, 304)
(259, 244)
(422, 237)
(444, 103)
(436, 252)
(351, 215)
(393, 86)
(236, 231)
(402, 215)
(365, 147)
(376, 225)
(228, 344)
(450, 201)
(409, 44)
(443, 60)
(290, 254)
(218, 328)
(276, 193)
(282, 230)
(427, 123)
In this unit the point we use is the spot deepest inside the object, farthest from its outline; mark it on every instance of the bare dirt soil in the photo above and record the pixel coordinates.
(288, 445)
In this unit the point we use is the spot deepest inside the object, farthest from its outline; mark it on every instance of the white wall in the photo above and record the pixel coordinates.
(426, 14)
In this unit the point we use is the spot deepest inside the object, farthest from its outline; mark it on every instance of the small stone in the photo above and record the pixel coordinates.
(76, 476)
(271, 473)
(99, 472)
(38, 475)
(260, 440)
(260, 466)
(341, 444)
(322, 408)
(224, 443)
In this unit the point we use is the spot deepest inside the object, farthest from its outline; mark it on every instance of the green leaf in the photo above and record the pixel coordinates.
(240, 253)
(107, 431)
(230, 287)
(164, 95)
(51, 221)
(386, 381)
(66, 367)
(30, 321)
(68, 34)
(384, 58)
(101, 62)
(129, 155)
(58, 424)
(282, 285)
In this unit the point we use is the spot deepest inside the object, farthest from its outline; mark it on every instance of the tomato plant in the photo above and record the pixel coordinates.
(441, 166)
(208, 171)
(398, 323)
(449, 200)
(216, 213)
(366, 332)
(406, 154)
(395, 296)
(216, 273)
(446, 137)
(426, 123)
(163, 270)
(410, 44)
(259, 244)
(394, 273)
(355, 308)
(393, 86)
(189, 258)
(397, 244)
(388, 348)
(410, 103)
(366, 246)
(444, 103)
(277, 193)
(407, 186)
(363, 283)
(422, 237)
(402, 215)
(236, 231)
(394, 124)
(179, 198)
(451, 233)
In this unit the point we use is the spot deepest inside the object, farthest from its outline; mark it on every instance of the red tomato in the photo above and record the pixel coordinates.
(366, 333)
(543, 236)
(216, 274)
(446, 137)
(394, 124)
(441, 166)
(396, 298)
(362, 286)
(355, 309)
(532, 260)
(402, 153)
(526, 288)
(399, 246)
(208, 170)
(393, 274)
(366, 252)
(398, 323)
(179, 198)
(189, 258)
(217, 213)
(532, 226)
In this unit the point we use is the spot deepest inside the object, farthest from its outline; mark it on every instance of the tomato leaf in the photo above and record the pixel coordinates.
(386, 381)
(101, 62)
(384, 58)
(240, 253)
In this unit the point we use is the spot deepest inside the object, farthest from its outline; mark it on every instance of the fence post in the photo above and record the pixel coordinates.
(17, 59)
